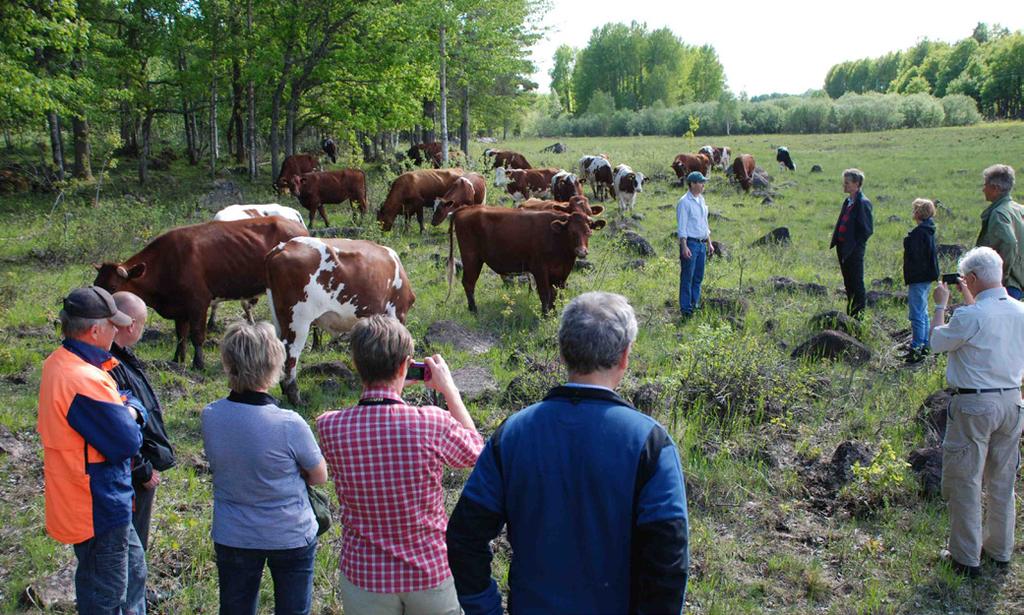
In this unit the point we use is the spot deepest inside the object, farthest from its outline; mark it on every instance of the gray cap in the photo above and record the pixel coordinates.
(94, 302)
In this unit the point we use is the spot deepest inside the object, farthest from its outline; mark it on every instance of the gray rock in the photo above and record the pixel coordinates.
(875, 297)
(784, 284)
(950, 250)
(933, 414)
(721, 250)
(816, 168)
(718, 216)
(831, 344)
(637, 243)
(449, 332)
(843, 459)
(334, 369)
(476, 383)
(11, 446)
(837, 321)
(926, 463)
(635, 264)
(55, 592)
(777, 237)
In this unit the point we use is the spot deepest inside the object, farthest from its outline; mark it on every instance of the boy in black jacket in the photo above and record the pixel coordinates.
(920, 269)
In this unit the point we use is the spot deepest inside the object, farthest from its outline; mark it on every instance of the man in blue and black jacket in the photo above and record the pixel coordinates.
(850, 239)
(591, 490)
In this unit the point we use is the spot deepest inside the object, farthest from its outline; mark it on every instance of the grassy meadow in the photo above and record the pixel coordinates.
(756, 429)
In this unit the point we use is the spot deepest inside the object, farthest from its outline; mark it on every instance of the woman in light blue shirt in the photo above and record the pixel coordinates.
(694, 242)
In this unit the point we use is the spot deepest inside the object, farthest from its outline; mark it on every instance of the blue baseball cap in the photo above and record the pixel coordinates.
(696, 176)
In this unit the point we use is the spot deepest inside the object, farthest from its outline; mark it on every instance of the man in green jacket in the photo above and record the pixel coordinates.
(1002, 226)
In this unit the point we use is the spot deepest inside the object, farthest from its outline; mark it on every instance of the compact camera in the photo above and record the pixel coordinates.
(951, 278)
(418, 371)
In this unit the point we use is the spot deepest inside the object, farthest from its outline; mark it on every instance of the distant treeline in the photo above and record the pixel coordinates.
(988, 66)
(788, 114)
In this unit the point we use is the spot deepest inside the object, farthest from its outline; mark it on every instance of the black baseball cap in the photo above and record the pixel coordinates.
(94, 302)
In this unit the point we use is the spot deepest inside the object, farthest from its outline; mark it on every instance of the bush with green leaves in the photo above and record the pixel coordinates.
(921, 111)
(960, 110)
(878, 485)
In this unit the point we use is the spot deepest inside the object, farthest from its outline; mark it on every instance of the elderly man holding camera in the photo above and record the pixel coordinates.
(985, 417)
(387, 458)
(592, 490)
(1002, 226)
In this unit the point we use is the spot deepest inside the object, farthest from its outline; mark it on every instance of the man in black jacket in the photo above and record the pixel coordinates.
(156, 454)
(850, 239)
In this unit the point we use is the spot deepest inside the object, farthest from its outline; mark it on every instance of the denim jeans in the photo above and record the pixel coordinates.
(111, 574)
(240, 570)
(917, 302)
(691, 275)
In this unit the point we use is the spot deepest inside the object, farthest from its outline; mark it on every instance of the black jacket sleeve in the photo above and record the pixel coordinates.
(470, 532)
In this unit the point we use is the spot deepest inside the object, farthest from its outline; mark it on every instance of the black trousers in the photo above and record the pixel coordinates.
(143, 513)
(852, 266)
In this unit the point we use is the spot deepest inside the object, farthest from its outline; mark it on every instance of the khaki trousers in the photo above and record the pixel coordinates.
(982, 449)
(440, 600)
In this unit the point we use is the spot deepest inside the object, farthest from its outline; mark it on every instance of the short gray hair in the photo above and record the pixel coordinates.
(854, 174)
(379, 345)
(596, 328)
(983, 262)
(1000, 176)
(74, 326)
(253, 357)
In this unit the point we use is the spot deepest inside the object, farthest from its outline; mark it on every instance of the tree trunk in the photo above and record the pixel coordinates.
(251, 110)
(289, 124)
(464, 127)
(56, 142)
(236, 111)
(8, 143)
(444, 101)
(429, 111)
(128, 128)
(83, 166)
(147, 124)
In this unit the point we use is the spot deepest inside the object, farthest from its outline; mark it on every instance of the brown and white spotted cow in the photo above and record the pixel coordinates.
(242, 212)
(508, 159)
(719, 156)
(332, 283)
(627, 184)
(565, 185)
(470, 189)
(598, 172)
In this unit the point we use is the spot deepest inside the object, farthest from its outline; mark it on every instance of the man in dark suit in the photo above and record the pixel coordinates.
(850, 239)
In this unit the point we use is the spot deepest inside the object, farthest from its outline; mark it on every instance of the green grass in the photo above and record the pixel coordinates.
(748, 420)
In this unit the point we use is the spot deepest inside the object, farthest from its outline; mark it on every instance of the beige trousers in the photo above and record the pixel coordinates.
(982, 449)
(440, 600)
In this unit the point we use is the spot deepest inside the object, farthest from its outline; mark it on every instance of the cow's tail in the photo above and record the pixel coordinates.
(451, 255)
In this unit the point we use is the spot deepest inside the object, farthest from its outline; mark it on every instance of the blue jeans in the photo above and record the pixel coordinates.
(917, 302)
(1014, 292)
(240, 570)
(691, 274)
(111, 574)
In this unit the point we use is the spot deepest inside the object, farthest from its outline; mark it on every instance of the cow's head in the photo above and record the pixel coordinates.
(386, 217)
(296, 185)
(679, 166)
(442, 209)
(113, 277)
(582, 205)
(640, 182)
(578, 227)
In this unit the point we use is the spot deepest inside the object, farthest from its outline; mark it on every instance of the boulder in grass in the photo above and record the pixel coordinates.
(816, 168)
(837, 321)
(831, 344)
(784, 284)
(777, 237)
(449, 332)
(732, 308)
(475, 383)
(721, 250)
(950, 250)
(637, 243)
(55, 592)
(933, 414)
(844, 458)
(926, 463)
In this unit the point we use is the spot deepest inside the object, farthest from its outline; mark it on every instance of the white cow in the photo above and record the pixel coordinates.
(627, 184)
(598, 172)
(241, 212)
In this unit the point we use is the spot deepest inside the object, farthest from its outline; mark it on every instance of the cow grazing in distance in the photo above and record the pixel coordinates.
(292, 166)
(743, 170)
(330, 148)
(627, 184)
(182, 271)
(598, 172)
(314, 190)
(684, 164)
(556, 148)
(412, 191)
(783, 158)
(470, 189)
(565, 185)
(242, 212)
(524, 183)
(543, 243)
(508, 159)
(426, 152)
(330, 282)
(719, 156)
(575, 203)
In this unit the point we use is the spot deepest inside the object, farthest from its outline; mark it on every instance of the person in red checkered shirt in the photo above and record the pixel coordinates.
(387, 459)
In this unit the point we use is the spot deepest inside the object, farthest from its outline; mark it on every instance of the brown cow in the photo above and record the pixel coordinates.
(314, 190)
(565, 185)
(412, 191)
(575, 203)
(330, 282)
(544, 243)
(180, 272)
(470, 189)
(684, 164)
(508, 159)
(522, 183)
(292, 166)
(743, 170)
(431, 152)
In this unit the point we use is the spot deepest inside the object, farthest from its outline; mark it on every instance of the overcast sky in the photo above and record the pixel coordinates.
(778, 46)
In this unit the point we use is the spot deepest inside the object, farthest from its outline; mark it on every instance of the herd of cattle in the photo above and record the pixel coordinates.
(251, 249)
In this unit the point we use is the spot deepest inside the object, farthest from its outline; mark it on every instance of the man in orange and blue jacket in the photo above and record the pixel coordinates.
(90, 431)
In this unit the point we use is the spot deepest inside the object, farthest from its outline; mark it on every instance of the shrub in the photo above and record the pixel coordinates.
(921, 111)
(812, 115)
(867, 112)
(960, 110)
(762, 118)
(878, 485)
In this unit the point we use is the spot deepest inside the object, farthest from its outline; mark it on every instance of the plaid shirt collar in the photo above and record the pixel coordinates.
(379, 393)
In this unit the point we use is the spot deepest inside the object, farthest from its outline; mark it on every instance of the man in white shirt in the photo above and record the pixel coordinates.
(986, 364)
(694, 242)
